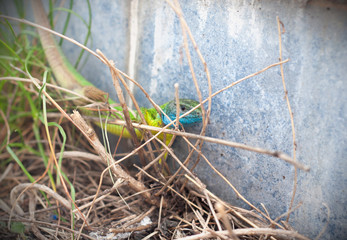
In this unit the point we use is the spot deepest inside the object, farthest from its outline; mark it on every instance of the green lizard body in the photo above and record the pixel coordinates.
(154, 119)
(67, 76)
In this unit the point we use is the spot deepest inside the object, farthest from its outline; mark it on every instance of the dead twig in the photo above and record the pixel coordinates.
(250, 231)
(276, 154)
(279, 23)
(107, 158)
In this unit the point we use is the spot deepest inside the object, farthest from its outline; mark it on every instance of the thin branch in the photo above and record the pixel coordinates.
(106, 157)
(326, 224)
(115, 77)
(290, 114)
(249, 231)
(276, 154)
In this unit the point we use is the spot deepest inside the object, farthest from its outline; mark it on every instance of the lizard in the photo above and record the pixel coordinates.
(68, 77)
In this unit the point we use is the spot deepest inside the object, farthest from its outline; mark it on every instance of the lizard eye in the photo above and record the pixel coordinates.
(183, 108)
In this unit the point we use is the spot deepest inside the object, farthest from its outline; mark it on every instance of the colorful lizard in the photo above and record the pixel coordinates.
(67, 76)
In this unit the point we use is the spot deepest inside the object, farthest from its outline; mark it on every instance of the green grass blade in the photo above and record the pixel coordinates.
(62, 132)
(14, 156)
(66, 23)
(11, 51)
(89, 26)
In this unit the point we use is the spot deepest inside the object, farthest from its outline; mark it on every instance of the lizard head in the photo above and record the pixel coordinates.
(185, 106)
